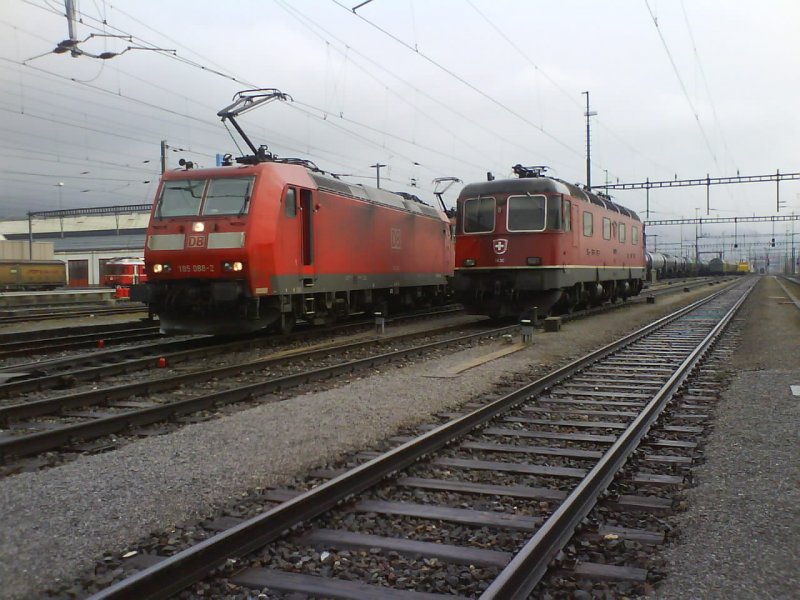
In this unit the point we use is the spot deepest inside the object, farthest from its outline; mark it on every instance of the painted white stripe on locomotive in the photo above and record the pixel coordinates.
(233, 239)
(166, 241)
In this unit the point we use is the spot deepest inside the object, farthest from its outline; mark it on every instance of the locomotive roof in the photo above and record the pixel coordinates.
(376, 195)
(540, 185)
(290, 171)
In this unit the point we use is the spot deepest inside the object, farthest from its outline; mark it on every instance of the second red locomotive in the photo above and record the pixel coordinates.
(537, 241)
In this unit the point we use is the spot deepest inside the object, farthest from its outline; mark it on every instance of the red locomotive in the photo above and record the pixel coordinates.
(537, 241)
(124, 272)
(268, 241)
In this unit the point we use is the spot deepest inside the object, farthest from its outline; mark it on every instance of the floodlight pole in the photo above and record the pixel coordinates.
(587, 114)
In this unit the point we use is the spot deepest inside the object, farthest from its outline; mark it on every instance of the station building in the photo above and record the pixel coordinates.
(84, 238)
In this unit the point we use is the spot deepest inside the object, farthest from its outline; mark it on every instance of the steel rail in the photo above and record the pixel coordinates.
(103, 312)
(529, 565)
(84, 340)
(25, 410)
(37, 376)
(170, 346)
(46, 440)
(78, 330)
(185, 568)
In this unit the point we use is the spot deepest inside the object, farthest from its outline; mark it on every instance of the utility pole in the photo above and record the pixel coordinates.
(378, 167)
(587, 114)
(696, 236)
(69, 8)
(163, 156)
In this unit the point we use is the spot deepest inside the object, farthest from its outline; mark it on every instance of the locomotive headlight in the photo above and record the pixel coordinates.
(469, 262)
(534, 261)
(157, 268)
(234, 266)
(167, 268)
(198, 226)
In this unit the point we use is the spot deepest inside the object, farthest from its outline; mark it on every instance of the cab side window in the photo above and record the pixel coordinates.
(290, 202)
(588, 224)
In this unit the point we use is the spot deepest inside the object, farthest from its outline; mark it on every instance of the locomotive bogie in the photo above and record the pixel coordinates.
(287, 244)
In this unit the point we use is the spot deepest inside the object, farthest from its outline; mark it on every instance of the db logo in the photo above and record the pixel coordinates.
(500, 246)
(395, 239)
(196, 241)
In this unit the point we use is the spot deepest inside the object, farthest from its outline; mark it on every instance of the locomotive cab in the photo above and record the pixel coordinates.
(195, 250)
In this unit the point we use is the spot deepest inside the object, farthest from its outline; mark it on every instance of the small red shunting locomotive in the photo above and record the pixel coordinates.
(123, 272)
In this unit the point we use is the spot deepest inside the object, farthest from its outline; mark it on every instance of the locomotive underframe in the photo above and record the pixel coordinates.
(514, 291)
(227, 307)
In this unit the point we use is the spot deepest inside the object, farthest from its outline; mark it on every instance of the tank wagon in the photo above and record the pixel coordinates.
(32, 274)
(718, 266)
(666, 265)
(268, 241)
(540, 241)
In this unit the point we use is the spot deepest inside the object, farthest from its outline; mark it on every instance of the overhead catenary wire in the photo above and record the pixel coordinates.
(72, 80)
(682, 84)
(465, 82)
(707, 87)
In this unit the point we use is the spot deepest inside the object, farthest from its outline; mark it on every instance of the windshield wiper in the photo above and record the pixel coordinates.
(244, 206)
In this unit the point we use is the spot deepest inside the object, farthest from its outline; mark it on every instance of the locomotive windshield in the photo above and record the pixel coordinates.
(479, 215)
(534, 213)
(228, 196)
(180, 198)
(225, 196)
(526, 213)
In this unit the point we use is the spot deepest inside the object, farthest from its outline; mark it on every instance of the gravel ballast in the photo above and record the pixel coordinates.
(57, 523)
(739, 537)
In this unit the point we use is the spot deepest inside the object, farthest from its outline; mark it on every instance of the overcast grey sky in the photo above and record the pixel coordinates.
(430, 88)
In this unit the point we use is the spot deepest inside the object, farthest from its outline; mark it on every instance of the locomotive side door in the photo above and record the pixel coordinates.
(574, 221)
(292, 243)
(306, 214)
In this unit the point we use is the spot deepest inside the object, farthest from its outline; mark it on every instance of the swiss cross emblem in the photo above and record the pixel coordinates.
(500, 246)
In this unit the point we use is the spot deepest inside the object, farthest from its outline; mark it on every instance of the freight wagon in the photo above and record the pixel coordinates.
(32, 274)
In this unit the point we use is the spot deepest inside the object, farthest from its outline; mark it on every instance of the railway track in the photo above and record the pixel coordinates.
(66, 371)
(43, 313)
(486, 503)
(49, 341)
(43, 425)
(52, 373)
